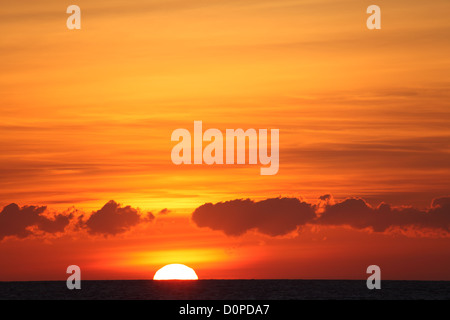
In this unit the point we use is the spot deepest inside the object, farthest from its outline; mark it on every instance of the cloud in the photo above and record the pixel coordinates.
(53, 226)
(19, 221)
(164, 211)
(359, 214)
(113, 219)
(273, 217)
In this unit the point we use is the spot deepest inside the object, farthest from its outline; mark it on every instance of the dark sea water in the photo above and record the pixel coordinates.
(227, 290)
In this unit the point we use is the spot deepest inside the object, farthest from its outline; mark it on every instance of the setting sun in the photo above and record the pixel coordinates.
(175, 272)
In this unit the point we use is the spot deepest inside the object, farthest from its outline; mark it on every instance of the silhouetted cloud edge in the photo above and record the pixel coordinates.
(280, 216)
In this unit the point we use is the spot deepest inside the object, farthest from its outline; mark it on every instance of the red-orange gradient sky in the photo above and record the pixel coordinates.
(87, 117)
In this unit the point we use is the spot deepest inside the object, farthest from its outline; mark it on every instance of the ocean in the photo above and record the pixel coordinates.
(226, 290)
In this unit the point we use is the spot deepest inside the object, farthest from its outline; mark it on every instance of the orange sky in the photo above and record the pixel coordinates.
(87, 116)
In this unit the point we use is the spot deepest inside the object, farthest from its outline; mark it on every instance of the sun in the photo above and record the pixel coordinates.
(175, 272)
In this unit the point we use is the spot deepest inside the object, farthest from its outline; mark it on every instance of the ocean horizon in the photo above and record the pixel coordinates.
(226, 290)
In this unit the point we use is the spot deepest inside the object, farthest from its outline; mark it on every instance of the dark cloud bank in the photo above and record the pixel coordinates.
(25, 221)
(112, 219)
(18, 221)
(272, 217)
(280, 216)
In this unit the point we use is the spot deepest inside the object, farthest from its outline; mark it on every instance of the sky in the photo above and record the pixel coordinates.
(86, 175)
